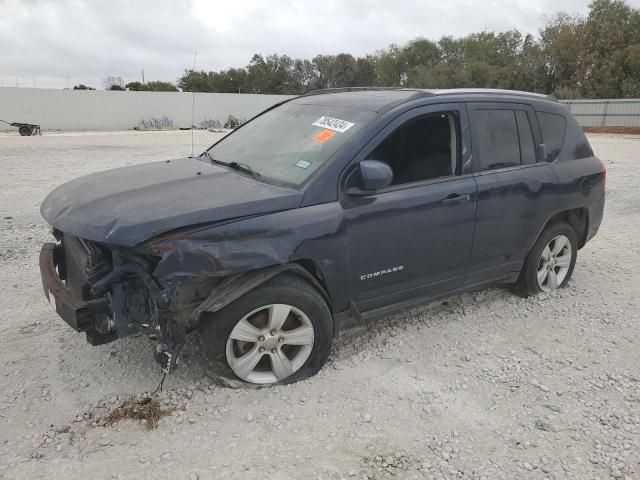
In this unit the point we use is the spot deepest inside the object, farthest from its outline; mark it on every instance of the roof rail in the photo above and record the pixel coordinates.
(362, 89)
(490, 91)
(436, 91)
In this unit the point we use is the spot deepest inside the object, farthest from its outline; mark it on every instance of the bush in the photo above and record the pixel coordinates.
(209, 123)
(153, 123)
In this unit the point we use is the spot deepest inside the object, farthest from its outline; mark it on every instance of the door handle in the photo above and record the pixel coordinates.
(455, 198)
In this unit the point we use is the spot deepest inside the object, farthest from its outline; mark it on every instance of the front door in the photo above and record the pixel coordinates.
(413, 239)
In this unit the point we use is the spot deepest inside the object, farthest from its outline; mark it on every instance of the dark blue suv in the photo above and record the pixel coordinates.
(326, 210)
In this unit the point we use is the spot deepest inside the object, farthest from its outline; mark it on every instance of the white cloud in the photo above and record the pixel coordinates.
(44, 41)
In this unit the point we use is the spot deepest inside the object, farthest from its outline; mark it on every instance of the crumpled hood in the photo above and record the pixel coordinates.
(129, 205)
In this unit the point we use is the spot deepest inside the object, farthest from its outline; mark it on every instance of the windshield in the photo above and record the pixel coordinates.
(290, 142)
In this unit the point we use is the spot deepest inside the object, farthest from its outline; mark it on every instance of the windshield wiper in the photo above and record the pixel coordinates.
(235, 165)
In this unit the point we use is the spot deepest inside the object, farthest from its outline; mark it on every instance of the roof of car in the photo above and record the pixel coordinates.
(374, 99)
(383, 98)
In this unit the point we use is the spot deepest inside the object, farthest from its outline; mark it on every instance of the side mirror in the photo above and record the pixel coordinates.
(371, 175)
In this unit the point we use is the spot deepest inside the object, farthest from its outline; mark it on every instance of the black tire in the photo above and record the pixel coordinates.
(290, 289)
(527, 283)
(25, 131)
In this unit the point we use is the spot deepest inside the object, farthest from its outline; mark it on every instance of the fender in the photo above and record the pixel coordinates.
(580, 222)
(235, 286)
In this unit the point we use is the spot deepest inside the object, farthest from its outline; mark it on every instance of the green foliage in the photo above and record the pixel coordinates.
(591, 56)
(156, 86)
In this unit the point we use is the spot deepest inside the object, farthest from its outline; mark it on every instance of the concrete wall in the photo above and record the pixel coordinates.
(107, 110)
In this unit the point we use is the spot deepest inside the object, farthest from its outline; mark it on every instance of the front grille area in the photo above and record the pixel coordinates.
(85, 263)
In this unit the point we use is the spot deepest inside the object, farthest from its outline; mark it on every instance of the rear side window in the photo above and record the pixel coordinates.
(527, 148)
(553, 128)
(498, 143)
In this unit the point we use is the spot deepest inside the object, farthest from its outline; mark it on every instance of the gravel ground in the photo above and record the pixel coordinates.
(484, 385)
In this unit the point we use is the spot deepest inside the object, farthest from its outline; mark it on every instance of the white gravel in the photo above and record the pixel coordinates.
(480, 386)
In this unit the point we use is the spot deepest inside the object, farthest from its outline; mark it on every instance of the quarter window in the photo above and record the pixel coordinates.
(553, 128)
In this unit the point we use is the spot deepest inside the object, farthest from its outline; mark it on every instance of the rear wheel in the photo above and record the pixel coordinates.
(280, 332)
(550, 262)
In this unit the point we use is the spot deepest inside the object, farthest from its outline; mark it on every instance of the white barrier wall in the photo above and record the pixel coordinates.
(113, 110)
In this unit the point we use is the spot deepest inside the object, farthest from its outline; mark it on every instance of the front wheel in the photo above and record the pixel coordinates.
(550, 262)
(280, 332)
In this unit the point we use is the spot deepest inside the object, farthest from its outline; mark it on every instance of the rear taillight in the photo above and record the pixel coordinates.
(604, 177)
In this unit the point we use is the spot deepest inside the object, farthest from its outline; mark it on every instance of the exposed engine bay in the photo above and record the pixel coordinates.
(125, 297)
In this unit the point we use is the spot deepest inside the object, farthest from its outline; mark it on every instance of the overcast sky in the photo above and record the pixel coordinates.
(44, 41)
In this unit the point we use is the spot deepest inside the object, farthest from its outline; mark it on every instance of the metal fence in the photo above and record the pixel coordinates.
(606, 113)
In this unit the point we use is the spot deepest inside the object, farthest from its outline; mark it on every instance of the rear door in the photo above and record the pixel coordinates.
(515, 188)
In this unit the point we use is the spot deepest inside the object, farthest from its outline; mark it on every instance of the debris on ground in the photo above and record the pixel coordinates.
(233, 122)
(149, 410)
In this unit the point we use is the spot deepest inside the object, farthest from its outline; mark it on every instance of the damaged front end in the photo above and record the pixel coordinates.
(110, 292)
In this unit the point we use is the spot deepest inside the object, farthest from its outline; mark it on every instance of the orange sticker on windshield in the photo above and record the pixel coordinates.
(324, 136)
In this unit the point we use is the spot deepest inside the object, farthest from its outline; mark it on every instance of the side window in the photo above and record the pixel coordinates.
(553, 128)
(498, 141)
(422, 149)
(527, 148)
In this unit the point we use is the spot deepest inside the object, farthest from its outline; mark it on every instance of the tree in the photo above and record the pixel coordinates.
(366, 71)
(271, 74)
(563, 44)
(156, 86)
(135, 86)
(420, 55)
(630, 85)
(113, 83)
(597, 55)
(391, 67)
(612, 30)
(196, 81)
(344, 69)
(529, 73)
(304, 76)
(323, 64)
(82, 86)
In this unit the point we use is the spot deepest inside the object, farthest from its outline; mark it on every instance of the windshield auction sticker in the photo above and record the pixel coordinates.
(324, 136)
(334, 124)
(303, 164)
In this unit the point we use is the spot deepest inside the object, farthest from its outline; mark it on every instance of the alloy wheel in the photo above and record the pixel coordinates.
(554, 263)
(270, 344)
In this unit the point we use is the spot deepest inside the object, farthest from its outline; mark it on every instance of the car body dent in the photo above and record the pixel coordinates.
(311, 233)
(129, 205)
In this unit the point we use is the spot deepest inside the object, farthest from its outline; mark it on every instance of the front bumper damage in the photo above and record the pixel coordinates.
(111, 294)
(78, 313)
(161, 290)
